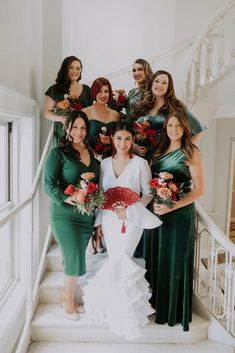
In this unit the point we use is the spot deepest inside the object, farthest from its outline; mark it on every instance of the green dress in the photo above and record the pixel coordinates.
(170, 251)
(71, 229)
(83, 101)
(95, 129)
(135, 96)
(156, 123)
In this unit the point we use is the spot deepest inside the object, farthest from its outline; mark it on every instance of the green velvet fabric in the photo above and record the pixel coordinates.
(71, 229)
(170, 251)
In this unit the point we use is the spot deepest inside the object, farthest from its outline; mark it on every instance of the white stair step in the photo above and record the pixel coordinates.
(54, 259)
(51, 288)
(49, 324)
(74, 347)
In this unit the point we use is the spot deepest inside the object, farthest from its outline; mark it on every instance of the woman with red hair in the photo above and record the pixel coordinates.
(102, 118)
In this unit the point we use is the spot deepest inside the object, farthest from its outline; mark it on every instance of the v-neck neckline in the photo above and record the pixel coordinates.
(117, 177)
(87, 165)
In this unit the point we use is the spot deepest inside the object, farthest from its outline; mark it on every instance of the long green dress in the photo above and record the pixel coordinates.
(71, 229)
(83, 101)
(95, 129)
(170, 251)
(156, 123)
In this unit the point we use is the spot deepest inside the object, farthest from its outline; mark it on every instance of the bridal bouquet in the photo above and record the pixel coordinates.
(145, 135)
(164, 190)
(86, 195)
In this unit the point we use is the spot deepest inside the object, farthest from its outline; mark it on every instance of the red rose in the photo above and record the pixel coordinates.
(151, 132)
(121, 98)
(91, 187)
(76, 106)
(154, 183)
(99, 147)
(69, 190)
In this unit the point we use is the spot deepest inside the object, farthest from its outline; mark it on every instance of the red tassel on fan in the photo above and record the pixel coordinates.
(123, 229)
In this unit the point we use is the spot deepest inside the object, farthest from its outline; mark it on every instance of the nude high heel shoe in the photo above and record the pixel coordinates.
(72, 316)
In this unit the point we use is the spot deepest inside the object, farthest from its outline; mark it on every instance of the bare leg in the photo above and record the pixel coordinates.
(70, 283)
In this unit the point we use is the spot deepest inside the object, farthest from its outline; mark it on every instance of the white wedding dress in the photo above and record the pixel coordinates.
(118, 295)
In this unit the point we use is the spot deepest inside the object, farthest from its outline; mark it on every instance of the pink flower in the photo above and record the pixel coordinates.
(79, 196)
(88, 175)
(164, 192)
(165, 176)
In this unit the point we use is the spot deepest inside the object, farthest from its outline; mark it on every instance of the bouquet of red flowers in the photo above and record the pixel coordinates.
(118, 101)
(65, 106)
(145, 135)
(164, 190)
(86, 195)
(104, 149)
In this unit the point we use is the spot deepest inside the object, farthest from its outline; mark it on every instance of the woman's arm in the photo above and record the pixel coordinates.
(51, 176)
(49, 114)
(196, 168)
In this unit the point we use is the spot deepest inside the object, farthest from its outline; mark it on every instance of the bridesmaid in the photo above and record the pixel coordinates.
(142, 72)
(64, 166)
(102, 119)
(159, 101)
(170, 253)
(65, 95)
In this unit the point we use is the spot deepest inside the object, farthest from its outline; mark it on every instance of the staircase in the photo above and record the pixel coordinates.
(51, 332)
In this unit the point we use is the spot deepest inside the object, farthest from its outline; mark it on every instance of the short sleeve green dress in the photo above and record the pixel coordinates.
(170, 250)
(83, 101)
(71, 229)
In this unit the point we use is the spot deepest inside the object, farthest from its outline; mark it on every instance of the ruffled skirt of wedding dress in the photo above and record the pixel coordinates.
(118, 296)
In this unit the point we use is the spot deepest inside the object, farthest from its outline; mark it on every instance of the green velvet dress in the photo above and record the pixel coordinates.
(170, 251)
(94, 141)
(83, 101)
(71, 229)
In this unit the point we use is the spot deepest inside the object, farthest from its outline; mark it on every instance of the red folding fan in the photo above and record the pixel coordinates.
(119, 197)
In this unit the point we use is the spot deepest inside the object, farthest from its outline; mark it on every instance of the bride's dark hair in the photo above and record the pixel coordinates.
(123, 125)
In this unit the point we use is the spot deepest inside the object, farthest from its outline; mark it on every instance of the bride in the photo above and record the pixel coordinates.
(118, 295)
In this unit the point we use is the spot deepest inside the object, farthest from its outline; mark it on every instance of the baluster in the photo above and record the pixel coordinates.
(209, 58)
(211, 267)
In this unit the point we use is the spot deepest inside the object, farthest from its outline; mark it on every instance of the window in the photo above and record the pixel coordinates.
(6, 236)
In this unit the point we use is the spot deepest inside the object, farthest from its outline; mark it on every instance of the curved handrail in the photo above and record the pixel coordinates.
(34, 187)
(153, 60)
(214, 229)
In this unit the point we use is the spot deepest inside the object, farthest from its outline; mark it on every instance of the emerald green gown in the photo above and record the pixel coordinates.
(170, 251)
(135, 96)
(71, 229)
(83, 101)
(94, 130)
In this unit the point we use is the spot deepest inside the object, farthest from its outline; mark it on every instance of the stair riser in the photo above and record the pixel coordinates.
(103, 335)
(53, 295)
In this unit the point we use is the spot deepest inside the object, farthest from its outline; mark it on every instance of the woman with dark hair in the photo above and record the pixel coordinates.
(102, 119)
(170, 252)
(64, 166)
(118, 295)
(159, 101)
(142, 72)
(65, 95)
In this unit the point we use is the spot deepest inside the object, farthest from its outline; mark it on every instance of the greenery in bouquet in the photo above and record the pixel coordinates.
(164, 190)
(86, 196)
